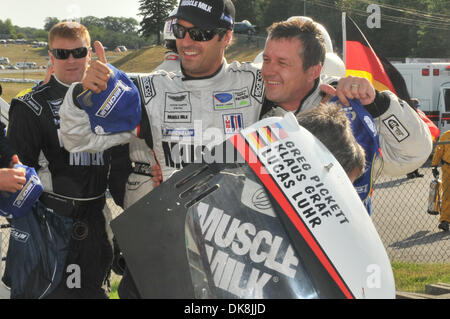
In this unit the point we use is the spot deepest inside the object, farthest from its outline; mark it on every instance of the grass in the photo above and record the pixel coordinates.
(10, 89)
(414, 277)
(143, 60)
(24, 52)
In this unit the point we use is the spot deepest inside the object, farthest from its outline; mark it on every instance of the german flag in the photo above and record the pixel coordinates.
(361, 60)
(256, 140)
(268, 134)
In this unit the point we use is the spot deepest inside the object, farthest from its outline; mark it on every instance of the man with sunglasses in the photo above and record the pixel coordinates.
(205, 102)
(74, 183)
(206, 95)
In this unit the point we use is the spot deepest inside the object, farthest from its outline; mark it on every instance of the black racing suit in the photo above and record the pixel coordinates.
(74, 185)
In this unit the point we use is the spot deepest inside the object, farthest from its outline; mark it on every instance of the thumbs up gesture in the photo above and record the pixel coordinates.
(98, 73)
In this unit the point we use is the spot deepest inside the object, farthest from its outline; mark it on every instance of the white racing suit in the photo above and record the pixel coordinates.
(180, 117)
(404, 139)
(184, 114)
(142, 157)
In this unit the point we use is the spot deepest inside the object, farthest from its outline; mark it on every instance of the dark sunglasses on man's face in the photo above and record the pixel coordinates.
(196, 34)
(62, 54)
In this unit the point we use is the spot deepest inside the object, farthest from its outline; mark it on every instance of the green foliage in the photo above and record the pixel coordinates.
(155, 14)
(409, 28)
(114, 31)
(7, 29)
(50, 22)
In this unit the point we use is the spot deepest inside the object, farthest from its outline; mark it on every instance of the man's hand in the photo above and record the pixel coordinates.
(98, 73)
(351, 87)
(157, 175)
(12, 179)
(14, 161)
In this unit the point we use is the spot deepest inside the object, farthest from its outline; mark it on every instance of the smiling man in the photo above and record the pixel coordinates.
(204, 102)
(293, 58)
(197, 106)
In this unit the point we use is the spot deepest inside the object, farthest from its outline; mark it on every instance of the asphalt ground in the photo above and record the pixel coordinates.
(400, 216)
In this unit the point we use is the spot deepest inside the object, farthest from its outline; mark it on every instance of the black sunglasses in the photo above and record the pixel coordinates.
(77, 53)
(196, 34)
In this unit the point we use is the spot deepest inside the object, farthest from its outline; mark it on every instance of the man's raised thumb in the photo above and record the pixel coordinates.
(100, 51)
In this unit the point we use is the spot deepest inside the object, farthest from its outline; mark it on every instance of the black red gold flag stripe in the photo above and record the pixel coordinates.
(361, 59)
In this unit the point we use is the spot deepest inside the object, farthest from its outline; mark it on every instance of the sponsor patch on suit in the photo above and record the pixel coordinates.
(233, 99)
(178, 108)
(396, 128)
(177, 132)
(233, 123)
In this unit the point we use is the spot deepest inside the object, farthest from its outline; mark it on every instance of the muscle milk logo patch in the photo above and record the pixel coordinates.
(232, 123)
(396, 128)
(113, 99)
(177, 108)
(243, 256)
(198, 4)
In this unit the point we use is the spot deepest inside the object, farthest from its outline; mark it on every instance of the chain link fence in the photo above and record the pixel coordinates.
(400, 216)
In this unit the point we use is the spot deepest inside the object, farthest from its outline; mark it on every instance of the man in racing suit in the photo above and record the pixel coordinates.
(204, 102)
(142, 157)
(186, 109)
(403, 138)
(74, 183)
(442, 155)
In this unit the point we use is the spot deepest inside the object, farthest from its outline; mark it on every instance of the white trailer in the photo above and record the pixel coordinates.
(430, 84)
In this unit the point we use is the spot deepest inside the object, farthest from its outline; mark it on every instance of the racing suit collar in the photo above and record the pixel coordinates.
(306, 102)
(188, 77)
(53, 77)
(316, 85)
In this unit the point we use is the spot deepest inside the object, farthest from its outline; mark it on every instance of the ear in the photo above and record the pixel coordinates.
(227, 38)
(314, 72)
(52, 58)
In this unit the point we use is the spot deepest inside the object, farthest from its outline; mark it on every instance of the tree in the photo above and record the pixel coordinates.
(7, 29)
(250, 10)
(50, 22)
(155, 14)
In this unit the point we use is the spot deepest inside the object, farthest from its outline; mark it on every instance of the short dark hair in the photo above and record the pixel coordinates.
(308, 33)
(330, 124)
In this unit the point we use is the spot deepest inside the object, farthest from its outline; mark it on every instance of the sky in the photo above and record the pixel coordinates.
(32, 13)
